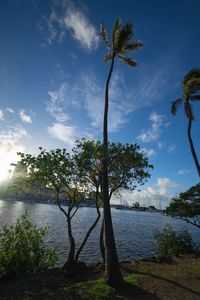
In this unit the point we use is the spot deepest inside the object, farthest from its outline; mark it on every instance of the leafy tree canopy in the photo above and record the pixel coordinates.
(127, 165)
(187, 206)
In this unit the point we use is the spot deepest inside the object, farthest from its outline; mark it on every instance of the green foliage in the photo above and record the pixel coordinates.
(127, 167)
(169, 243)
(190, 88)
(120, 43)
(22, 248)
(186, 206)
(97, 290)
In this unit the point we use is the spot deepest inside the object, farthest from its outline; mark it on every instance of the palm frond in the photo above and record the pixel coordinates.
(188, 110)
(192, 86)
(123, 37)
(108, 57)
(116, 28)
(127, 60)
(192, 74)
(175, 105)
(104, 36)
(195, 97)
(132, 46)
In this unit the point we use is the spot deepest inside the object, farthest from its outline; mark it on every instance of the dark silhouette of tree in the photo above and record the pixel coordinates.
(187, 206)
(119, 44)
(190, 88)
(127, 168)
(64, 174)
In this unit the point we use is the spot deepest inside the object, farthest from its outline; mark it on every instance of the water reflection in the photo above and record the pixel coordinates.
(133, 230)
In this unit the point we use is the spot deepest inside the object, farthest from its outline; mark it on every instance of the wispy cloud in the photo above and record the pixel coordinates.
(1, 115)
(56, 105)
(82, 30)
(153, 133)
(66, 134)
(10, 143)
(183, 171)
(159, 195)
(10, 110)
(149, 152)
(172, 149)
(24, 116)
(166, 183)
(73, 19)
(13, 134)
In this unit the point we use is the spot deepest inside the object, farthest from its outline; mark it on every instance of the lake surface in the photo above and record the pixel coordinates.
(133, 230)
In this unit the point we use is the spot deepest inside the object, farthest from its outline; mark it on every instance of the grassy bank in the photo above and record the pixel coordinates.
(168, 279)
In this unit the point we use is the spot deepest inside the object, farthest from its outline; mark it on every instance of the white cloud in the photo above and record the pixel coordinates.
(66, 134)
(161, 145)
(86, 93)
(10, 144)
(13, 134)
(24, 117)
(158, 195)
(1, 115)
(149, 152)
(10, 110)
(93, 95)
(152, 134)
(82, 30)
(172, 149)
(166, 182)
(73, 19)
(183, 171)
(56, 105)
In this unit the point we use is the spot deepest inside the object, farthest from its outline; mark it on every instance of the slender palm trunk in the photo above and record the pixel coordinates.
(191, 142)
(101, 242)
(113, 274)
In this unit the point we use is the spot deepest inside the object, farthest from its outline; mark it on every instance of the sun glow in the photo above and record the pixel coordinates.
(8, 155)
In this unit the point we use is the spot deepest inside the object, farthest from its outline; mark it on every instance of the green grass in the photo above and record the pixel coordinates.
(85, 290)
(97, 290)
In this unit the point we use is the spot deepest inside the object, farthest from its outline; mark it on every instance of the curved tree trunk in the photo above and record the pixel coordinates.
(70, 236)
(101, 242)
(71, 254)
(113, 274)
(191, 142)
(90, 229)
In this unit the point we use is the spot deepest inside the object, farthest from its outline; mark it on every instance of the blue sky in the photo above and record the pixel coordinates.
(52, 78)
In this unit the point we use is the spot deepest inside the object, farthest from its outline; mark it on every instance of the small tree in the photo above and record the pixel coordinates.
(127, 168)
(169, 243)
(186, 207)
(64, 175)
(22, 248)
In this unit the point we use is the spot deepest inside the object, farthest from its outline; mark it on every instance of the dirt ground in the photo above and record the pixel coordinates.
(157, 279)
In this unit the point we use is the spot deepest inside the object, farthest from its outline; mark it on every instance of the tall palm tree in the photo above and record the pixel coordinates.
(118, 45)
(190, 88)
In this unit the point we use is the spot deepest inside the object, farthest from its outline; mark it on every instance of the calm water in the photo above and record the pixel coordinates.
(133, 230)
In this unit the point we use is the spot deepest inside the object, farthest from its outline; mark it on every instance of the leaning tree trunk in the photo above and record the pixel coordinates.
(191, 142)
(90, 229)
(113, 274)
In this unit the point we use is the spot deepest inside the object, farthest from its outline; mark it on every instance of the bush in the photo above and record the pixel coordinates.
(22, 248)
(170, 243)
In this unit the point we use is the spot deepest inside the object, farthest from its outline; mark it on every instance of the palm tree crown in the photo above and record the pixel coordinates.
(190, 88)
(120, 42)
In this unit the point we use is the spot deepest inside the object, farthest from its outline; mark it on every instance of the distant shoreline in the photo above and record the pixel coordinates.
(117, 207)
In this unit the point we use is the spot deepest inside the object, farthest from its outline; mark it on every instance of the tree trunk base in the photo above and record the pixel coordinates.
(73, 268)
